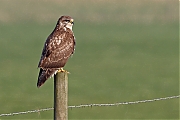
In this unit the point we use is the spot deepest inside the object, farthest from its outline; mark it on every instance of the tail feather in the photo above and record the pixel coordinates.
(44, 74)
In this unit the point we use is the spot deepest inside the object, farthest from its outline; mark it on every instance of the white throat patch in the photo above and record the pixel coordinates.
(69, 25)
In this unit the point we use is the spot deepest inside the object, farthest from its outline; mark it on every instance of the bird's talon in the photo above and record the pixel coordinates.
(62, 70)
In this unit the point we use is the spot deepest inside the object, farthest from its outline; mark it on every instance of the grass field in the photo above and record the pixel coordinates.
(126, 51)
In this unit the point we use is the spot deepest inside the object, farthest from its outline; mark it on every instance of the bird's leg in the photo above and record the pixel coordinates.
(62, 70)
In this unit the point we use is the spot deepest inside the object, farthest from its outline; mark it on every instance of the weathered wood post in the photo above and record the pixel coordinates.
(61, 96)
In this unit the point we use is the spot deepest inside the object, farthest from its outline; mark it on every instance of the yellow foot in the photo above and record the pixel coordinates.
(62, 70)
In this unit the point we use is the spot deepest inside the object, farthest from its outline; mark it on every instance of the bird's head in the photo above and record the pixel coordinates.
(66, 21)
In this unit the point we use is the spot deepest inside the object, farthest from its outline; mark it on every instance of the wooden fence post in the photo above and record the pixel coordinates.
(61, 96)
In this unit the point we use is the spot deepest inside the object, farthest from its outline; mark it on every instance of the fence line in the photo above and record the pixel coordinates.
(93, 105)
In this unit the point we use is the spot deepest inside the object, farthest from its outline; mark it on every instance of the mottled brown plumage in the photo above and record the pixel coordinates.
(58, 47)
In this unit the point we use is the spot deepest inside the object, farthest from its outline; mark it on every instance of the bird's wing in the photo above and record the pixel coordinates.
(57, 49)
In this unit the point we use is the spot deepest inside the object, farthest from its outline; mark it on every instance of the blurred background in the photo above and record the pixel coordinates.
(125, 51)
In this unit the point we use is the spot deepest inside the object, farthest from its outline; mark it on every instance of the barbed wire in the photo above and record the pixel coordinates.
(93, 105)
(26, 112)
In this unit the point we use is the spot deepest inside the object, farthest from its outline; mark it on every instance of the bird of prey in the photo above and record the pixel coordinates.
(59, 46)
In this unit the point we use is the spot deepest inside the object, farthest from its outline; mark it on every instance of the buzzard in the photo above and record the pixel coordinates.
(59, 46)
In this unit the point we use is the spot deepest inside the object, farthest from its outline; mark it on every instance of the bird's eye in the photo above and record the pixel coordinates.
(67, 20)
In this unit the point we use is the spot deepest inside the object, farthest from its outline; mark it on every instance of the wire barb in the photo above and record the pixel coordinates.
(93, 105)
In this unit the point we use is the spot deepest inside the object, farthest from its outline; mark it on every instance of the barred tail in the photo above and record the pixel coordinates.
(44, 74)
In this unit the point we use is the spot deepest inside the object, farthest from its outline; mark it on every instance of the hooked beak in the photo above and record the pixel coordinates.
(72, 21)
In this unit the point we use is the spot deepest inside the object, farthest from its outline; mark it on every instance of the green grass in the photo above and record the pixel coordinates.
(116, 60)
